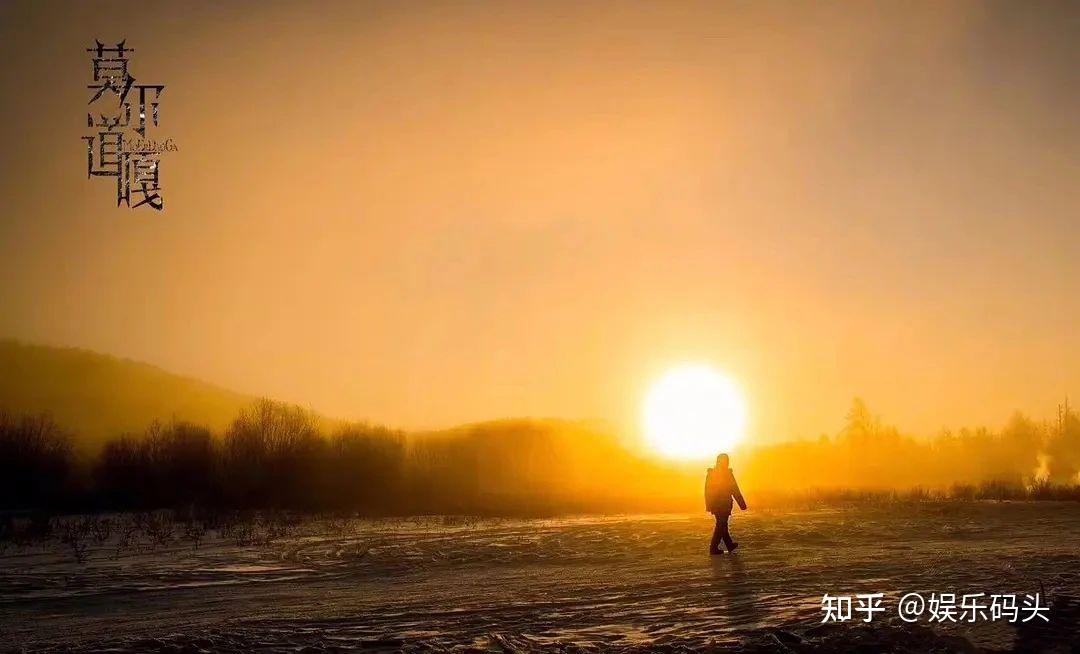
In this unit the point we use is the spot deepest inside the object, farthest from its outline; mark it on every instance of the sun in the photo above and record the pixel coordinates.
(693, 412)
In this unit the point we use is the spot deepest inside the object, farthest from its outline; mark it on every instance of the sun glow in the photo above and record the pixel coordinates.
(693, 412)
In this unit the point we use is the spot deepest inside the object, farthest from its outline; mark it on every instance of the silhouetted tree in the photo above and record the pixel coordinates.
(121, 473)
(169, 465)
(36, 462)
(271, 455)
(365, 465)
(1063, 448)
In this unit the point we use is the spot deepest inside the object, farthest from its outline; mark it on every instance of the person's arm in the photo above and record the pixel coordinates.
(707, 473)
(737, 494)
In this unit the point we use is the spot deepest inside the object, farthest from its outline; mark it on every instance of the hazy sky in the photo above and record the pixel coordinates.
(432, 213)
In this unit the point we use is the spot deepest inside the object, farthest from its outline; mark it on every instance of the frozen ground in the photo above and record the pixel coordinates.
(603, 583)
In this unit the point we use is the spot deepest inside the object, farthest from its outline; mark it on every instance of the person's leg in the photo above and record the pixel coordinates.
(722, 522)
(714, 546)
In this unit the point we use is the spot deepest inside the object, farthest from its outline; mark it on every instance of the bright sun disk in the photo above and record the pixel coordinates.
(694, 412)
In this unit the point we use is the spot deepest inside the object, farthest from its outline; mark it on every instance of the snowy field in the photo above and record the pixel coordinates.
(577, 584)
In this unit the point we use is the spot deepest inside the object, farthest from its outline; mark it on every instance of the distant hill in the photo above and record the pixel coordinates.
(98, 396)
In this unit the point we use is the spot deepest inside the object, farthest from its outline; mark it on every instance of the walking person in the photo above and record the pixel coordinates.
(720, 489)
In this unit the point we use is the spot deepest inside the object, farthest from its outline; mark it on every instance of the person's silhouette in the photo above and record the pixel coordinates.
(720, 488)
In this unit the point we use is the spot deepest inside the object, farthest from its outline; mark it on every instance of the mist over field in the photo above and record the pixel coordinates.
(270, 454)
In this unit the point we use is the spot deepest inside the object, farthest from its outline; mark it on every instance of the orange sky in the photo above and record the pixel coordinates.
(432, 213)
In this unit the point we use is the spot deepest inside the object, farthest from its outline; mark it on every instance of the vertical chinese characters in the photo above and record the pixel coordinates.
(135, 163)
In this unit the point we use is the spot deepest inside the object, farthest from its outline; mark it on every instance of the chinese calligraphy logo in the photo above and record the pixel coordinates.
(110, 149)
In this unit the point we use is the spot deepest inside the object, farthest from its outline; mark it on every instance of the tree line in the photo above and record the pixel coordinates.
(275, 455)
(272, 455)
(280, 456)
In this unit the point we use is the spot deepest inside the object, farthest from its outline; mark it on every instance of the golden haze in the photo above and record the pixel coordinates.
(429, 215)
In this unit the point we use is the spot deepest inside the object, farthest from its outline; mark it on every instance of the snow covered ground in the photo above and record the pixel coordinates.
(588, 583)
